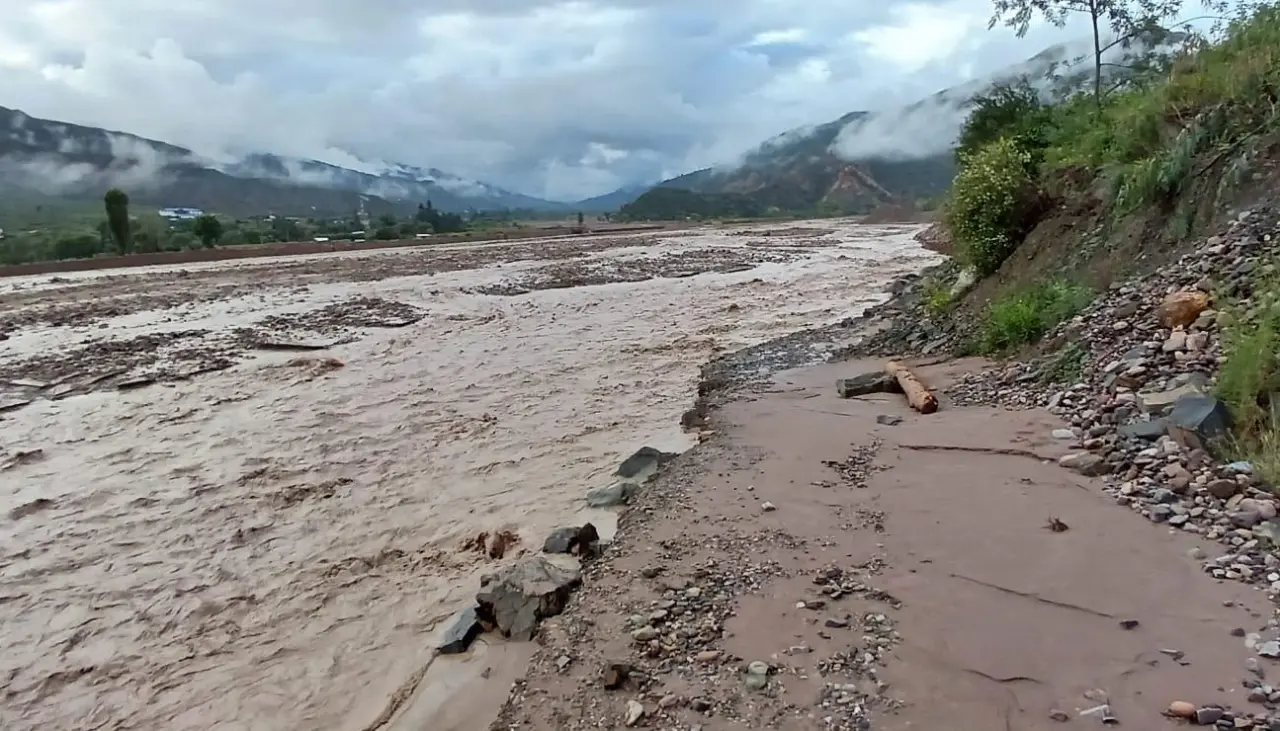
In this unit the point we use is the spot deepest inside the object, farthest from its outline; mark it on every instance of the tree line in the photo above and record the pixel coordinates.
(123, 230)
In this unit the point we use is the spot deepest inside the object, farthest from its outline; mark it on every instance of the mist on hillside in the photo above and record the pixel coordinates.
(930, 126)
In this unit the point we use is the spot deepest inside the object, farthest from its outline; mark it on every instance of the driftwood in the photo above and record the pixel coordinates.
(920, 398)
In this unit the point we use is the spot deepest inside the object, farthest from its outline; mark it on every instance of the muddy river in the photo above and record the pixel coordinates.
(204, 532)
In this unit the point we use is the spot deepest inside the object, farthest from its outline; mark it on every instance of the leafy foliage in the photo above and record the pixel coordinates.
(1006, 110)
(987, 203)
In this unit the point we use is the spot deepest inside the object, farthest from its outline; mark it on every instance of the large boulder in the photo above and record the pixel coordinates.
(634, 471)
(1199, 421)
(462, 628)
(618, 492)
(518, 597)
(1180, 309)
(644, 464)
(583, 540)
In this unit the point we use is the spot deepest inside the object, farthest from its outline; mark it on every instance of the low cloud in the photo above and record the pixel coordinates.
(511, 93)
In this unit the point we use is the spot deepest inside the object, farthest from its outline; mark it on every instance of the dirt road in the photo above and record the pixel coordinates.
(849, 564)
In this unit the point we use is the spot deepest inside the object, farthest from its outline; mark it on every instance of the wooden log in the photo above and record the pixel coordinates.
(920, 398)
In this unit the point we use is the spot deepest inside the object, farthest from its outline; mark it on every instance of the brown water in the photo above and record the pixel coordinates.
(260, 549)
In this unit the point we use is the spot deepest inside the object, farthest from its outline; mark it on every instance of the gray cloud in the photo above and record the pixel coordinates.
(560, 100)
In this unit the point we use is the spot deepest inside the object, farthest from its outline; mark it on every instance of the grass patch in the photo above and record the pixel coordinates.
(1025, 316)
(936, 299)
(1249, 379)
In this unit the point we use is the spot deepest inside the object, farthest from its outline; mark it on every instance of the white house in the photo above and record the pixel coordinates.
(180, 214)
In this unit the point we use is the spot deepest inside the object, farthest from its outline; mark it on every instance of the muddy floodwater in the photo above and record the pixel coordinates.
(234, 495)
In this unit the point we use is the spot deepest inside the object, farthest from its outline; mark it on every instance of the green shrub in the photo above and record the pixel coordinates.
(936, 299)
(1027, 315)
(1250, 374)
(1249, 379)
(986, 207)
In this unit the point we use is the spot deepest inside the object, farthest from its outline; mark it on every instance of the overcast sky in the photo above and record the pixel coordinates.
(554, 99)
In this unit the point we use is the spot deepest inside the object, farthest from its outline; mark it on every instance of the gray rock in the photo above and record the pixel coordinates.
(1269, 531)
(635, 712)
(519, 596)
(644, 464)
(1271, 649)
(888, 419)
(757, 675)
(619, 492)
(582, 539)
(1148, 430)
(1063, 434)
(1159, 403)
(460, 632)
(1222, 489)
(1208, 715)
(1197, 421)
(1245, 517)
(1086, 463)
(867, 383)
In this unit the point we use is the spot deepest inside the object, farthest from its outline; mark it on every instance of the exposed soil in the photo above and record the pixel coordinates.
(937, 573)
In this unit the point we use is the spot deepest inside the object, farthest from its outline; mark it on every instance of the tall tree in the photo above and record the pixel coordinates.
(208, 229)
(117, 204)
(1127, 19)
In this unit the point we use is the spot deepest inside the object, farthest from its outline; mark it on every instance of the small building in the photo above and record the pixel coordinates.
(320, 239)
(422, 236)
(180, 214)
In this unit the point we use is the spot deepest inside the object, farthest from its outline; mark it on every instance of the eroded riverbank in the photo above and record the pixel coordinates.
(242, 547)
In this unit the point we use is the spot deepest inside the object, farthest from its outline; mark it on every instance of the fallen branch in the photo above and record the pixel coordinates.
(999, 451)
(920, 398)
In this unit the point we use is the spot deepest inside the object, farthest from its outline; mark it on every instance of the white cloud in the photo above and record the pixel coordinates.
(921, 33)
(556, 99)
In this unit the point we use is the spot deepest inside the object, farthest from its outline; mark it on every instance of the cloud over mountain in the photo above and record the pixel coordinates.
(554, 99)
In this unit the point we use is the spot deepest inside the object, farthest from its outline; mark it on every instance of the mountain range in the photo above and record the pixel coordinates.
(851, 164)
(75, 161)
(868, 159)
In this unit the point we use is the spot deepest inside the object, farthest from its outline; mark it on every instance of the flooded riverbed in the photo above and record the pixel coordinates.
(271, 545)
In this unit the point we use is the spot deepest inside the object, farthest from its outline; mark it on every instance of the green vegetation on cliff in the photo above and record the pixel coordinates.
(1055, 195)
(1156, 157)
(1203, 112)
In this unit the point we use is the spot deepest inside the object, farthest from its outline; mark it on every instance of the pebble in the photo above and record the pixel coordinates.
(768, 507)
(635, 712)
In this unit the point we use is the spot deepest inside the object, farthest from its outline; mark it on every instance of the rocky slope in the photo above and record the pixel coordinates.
(75, 161)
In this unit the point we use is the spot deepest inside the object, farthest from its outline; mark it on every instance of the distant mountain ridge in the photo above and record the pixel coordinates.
(864, 160)
(76, 161)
